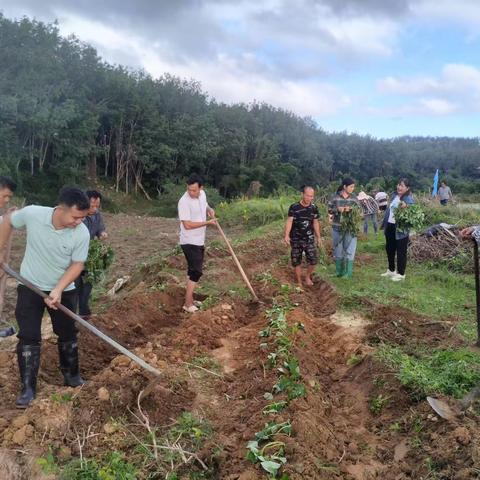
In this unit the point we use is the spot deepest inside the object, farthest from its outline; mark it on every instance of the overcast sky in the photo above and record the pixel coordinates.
(383, 67)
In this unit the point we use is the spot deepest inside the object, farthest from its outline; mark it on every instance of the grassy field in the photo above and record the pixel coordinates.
(432, 291)
(436, 292)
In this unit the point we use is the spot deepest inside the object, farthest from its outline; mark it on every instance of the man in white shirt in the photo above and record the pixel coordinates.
(192, 213)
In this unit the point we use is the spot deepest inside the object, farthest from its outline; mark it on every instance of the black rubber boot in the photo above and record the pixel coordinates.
(68, 354)
(28, 357)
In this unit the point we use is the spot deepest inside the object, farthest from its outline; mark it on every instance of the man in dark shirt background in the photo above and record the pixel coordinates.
(302, 233)
(94, 222)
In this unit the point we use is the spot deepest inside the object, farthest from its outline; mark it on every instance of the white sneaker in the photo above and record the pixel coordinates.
(388, 273)
(397, 277)
(197, 303)
(190, 309)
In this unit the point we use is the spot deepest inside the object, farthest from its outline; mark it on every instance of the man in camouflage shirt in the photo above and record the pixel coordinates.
(302, 233)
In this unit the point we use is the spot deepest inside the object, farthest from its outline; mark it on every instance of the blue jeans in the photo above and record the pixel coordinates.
(344, 245)
(373, 217)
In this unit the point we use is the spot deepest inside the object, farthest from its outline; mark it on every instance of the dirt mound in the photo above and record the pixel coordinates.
(396, 325)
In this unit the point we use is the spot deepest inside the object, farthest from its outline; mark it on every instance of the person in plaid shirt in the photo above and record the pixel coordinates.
(370, 211)
(344, 244)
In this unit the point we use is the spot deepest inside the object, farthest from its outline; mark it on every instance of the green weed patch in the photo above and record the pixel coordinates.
(452, 372)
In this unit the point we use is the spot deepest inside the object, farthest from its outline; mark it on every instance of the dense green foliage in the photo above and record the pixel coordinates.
(100, 257)
(254, 212)
(350, 221)
(115, 467)
(411, 217)
(66, 114)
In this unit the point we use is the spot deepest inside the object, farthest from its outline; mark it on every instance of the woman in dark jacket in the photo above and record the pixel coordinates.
(396, 240)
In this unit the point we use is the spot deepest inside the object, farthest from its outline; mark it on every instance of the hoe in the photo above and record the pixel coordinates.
(93, 329)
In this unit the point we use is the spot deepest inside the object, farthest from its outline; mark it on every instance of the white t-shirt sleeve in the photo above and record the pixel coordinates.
(183, 210)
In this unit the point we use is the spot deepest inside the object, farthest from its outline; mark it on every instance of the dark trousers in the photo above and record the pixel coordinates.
(398, 247)
(194, 255)
(29, 313)
(84, 290)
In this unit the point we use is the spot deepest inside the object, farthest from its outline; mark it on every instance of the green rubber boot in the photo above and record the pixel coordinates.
(349, 269)
(339, 267)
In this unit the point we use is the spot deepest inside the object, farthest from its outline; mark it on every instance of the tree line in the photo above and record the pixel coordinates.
(66, 115)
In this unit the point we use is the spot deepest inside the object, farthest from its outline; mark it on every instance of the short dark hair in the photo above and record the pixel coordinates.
(195, 178)
(305, 187)
(73, 197)
(93, 194)
(7, 182)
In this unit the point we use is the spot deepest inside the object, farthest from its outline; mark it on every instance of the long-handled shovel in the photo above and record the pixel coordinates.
(237, 263)
(82, 322)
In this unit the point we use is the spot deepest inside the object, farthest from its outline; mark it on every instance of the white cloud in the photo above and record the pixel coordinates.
(309, 26)
(362, 35)
(454, 78)
(464, 12)
(435, 106)
(94, 32)
(456, 88)
(225, 80)
(412, 86)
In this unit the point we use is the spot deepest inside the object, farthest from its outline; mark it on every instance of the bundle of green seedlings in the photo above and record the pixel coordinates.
(411, 217)
(350, 221)
(100, 257)
(266, 448)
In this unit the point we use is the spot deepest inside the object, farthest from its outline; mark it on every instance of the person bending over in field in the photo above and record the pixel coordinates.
(57, 247)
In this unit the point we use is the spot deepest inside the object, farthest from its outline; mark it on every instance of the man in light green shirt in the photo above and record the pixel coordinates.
(57, 247)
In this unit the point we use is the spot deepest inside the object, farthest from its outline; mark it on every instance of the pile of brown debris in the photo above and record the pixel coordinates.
(442, 243)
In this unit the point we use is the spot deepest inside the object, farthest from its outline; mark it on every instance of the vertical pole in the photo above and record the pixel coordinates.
(477, 289)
